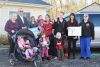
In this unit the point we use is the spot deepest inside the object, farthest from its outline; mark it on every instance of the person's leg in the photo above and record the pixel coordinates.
(69, 48)
(52, 46)
(27, 54)
(62, 54)
(88, 52)
(74, 48)
(31, 52)
(12, 45)
(82, 47)
(47, 55)
(58, 53)
(42, 53)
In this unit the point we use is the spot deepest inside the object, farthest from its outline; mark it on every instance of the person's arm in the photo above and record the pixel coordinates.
(92, 31)
(7, 29)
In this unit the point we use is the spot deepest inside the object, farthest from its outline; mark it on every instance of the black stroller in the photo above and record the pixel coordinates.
(18, 53)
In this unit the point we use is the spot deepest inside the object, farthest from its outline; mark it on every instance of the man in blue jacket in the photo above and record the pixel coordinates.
(87, 35)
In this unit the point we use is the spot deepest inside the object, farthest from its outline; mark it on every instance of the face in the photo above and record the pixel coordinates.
(85, 18)
(43, 35)
(40, 17)
(47, 18)
(72, 17)
(21, 12)
(32, 19)
(61, 15)
(14, 17)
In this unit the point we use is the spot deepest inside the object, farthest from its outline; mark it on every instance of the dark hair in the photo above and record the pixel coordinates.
(72, 14)
(49, 17)
(39, 16)
(32, 17)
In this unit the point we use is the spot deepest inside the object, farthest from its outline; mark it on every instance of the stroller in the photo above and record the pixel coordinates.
(18, 52)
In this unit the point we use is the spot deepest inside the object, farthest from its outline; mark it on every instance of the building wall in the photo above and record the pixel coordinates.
(4, 14)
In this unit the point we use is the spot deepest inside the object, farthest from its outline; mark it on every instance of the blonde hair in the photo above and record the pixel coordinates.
(58, 35)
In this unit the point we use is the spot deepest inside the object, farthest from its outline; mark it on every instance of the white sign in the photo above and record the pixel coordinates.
(74, 31)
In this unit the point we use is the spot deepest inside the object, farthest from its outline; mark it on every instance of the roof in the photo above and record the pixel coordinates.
(92, 8)
(29, 1)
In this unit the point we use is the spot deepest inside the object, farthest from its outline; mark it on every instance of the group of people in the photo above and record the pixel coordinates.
(54, 34)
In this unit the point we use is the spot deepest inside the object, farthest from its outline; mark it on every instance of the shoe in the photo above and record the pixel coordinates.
(42, 58)
(88, 58)
(48, 58)
(81, 57)
(55, 58)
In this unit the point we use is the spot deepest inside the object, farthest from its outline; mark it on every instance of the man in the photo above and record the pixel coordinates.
(87, 35)
(22, 21)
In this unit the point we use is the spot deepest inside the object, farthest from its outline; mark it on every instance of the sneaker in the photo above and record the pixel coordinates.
(81, 57)
(55, 58)
(88, 58)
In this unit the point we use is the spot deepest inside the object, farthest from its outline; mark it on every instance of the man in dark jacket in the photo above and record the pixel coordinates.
(87, 35)
(22, 21)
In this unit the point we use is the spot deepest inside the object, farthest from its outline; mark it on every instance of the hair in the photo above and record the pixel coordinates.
(62, 13)
(39, 16)
(13, 14)
(20, 9)
(49, 17)
(32, 18)
(72, 14)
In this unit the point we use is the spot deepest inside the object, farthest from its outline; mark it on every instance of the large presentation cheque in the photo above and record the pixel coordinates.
(74, 31)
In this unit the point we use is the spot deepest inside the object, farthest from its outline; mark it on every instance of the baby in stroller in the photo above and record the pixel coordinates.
(26, 47)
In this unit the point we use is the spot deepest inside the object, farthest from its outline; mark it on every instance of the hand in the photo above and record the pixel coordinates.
(74, 37)
(12, 31)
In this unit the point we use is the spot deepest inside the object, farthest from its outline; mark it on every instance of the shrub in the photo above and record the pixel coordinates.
(4, 39)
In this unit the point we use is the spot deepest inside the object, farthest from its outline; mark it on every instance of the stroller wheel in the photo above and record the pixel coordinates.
(12, 62)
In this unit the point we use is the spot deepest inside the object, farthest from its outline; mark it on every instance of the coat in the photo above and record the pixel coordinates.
(47, 29)
(57, 45)
(30, 25)
(20, 22)
(11, 26)
(87, 29)
(69, 24)
(59, 26)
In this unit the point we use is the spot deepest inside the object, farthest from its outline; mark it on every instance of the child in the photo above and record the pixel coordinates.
(59, 46)
(25, 46)
(44, 44)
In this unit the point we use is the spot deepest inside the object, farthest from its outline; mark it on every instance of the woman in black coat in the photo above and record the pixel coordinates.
(71, 39)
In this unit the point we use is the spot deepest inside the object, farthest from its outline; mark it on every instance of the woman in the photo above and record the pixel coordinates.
(47, 29)
(33, 23)
(59, 24)
(72, 39)
(11, 27)
(85, 39)
(33, 26)
(40, 22)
